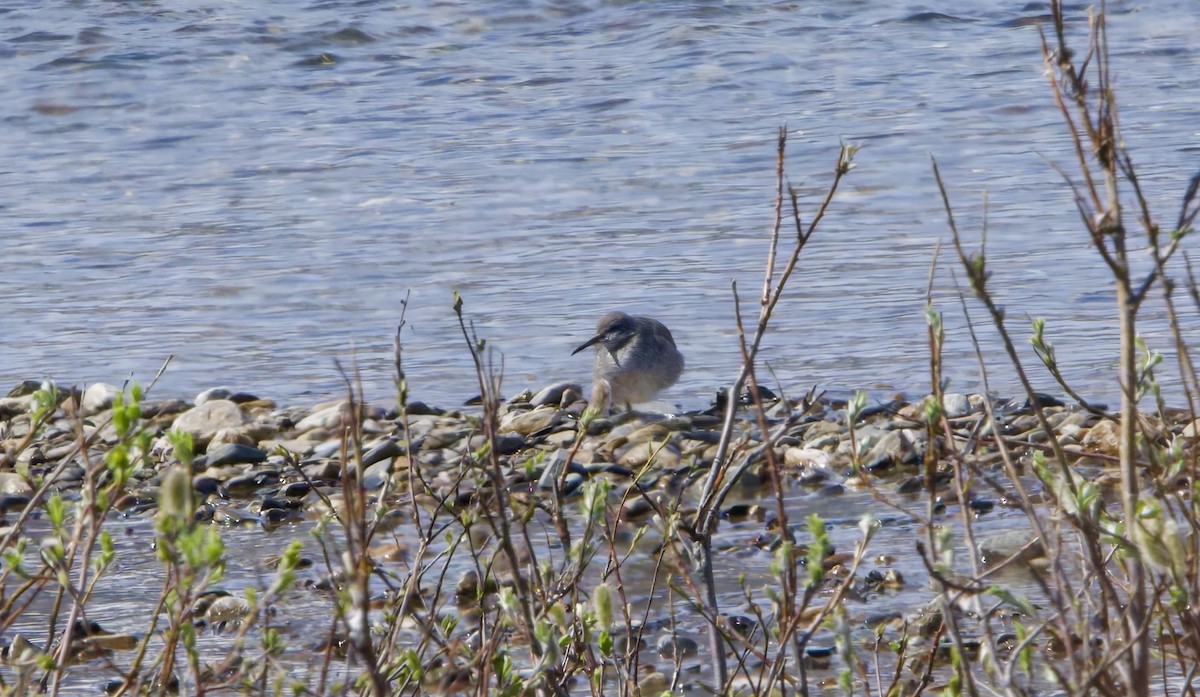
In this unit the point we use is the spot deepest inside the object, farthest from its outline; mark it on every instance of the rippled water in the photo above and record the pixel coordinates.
(255, 187)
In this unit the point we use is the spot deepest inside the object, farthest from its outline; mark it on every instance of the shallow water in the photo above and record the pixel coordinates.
(126, 596)
(254, 189)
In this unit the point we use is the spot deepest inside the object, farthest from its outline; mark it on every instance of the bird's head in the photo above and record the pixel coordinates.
(614, 331)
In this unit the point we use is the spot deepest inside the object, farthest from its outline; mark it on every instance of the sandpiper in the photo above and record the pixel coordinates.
(636, 359)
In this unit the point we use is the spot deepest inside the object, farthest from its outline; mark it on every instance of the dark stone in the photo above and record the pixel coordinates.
(275, 502)
(509, 443)
(386, 450)
(423, 409)
(209, 486)
(296, 490)
(981, 506)
(231, 454)
(11, 502)
(246, 484)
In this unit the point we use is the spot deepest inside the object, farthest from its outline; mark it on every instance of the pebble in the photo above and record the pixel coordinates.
(325, 419)
(202, 422)
(529, 422)
(13, 484)
(675, 646)
(956, 405)
(97, 398)
(386, 449)
(229, 454)
(807, 457)
(558, 394)
(1103, 437)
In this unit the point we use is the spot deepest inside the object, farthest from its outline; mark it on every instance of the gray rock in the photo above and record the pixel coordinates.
(325, 469)
(233, 454)
(98, 397)
(885, 453)
(232, 395)
(12, 483)
(327, 448)
(956, 405)
(509, 443)
(552, 470)
(12, 406)
(560, 439)
(819, 429)
(896, 447)
(228, 436)
(677, 646)
(552, 395)
(444, 437)
(996, 548)
(384, 450)
(327, 418)
(377, 474)
(26, 388)
(506, 443)
(203, 421)
(213, 393)
(13, 502)
(636, 455)
(1104, 437)
(529, 422)
(248, 484)
(807, 457)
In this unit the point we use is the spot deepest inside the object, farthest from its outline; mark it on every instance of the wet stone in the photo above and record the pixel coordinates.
(247, 484)
(807, 457)
(202, 422)
(677, 647)
(229, 454)
(326, 419)
(556, 394)
(422, 409)
(656, 432)
(636, 455)
(526, 423)
(324, 470)
(981, 506)
(886, 452)
(231, 515)
(1103, 437)
(209, 486)
(822, 435)
(956, 405)
(213, 393)
(327, 448)
(97, 398)
(383, 450)
(998, 547)
(12, 484)
(377, 474)
(230, 436)
(13, 502)
(444, 438)
(25, 388)
(560, 439)
(506, 443)
(296, 490)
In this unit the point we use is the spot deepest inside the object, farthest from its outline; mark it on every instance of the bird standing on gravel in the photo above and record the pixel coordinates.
(636, 359)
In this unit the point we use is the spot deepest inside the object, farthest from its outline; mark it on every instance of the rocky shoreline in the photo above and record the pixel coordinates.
(247, 446)
(257, 464)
